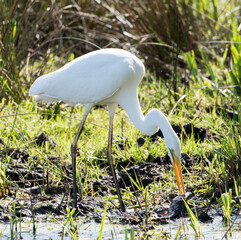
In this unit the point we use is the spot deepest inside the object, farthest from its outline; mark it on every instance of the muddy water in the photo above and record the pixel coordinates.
(91, 230)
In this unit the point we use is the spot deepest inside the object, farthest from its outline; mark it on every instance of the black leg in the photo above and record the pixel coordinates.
(73, 153)
(109, 155)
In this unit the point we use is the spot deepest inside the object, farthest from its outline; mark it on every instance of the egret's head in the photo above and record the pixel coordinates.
(174, 152)
(157, 119)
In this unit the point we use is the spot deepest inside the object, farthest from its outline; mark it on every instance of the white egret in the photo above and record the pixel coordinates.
(107, 77)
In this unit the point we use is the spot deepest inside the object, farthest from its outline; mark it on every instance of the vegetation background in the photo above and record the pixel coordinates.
(191, 48)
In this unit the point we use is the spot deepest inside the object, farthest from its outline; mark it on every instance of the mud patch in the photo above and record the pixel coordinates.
(28, 193)
(145, 173)
(42, 139)
(188, 130)
(14, 153)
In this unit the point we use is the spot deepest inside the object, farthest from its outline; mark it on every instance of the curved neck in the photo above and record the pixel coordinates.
(148, 124)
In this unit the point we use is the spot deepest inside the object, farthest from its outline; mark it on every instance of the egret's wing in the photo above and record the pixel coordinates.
(88, 79)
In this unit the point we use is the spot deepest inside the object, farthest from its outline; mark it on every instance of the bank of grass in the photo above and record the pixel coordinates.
(20, 124)
(204, 74)
(159, 31)
(200, 100)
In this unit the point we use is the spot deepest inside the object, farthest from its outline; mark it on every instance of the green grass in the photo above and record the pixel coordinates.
(20, 124)
(196, 226)
(203, 73)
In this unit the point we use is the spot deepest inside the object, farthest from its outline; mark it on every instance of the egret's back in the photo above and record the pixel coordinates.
(90, 78)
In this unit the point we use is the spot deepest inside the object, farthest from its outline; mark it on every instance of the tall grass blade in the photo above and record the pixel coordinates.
(103, 221)
(196, 226)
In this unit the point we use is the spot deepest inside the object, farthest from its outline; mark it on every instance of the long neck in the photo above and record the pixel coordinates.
(148, 124)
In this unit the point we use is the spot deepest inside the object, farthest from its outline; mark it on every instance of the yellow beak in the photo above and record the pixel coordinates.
(178, 171)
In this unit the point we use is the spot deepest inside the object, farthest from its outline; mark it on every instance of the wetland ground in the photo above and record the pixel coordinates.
(192, 54)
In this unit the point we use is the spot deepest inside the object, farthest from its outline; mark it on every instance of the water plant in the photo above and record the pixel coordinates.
(70, 224)
(14, 234)
(131, 233)
(196, 226)
(103, 221)
(228, 206)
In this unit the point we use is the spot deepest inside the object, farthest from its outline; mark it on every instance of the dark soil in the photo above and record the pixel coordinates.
(28, 193)
(199, 133)
(42, 139)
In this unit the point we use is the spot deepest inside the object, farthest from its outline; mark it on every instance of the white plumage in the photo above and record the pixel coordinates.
(107, 76)
(91, 78)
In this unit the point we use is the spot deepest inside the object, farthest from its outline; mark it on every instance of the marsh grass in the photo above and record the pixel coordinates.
(196, 226)
(228, 206)
(204, 67)
(103, 222)
(32, 33)
(70, 224)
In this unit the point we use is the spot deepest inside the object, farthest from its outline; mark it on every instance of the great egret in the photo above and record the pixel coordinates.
(107, 77)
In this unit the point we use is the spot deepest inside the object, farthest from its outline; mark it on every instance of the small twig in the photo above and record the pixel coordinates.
(34, 227)
(50, 114)
(179, 100)
(57, 209)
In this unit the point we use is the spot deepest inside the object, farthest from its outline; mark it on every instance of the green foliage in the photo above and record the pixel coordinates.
(103, 222)
(32, 33)
(192, 64)
(238, 192)
(19, 21)
(228, 206)
(231, 154)
(70, 224)
(131, 233)
(192, 57)
(235, 71)
(196, 226)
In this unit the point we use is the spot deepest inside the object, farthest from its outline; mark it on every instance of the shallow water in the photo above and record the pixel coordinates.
(91, 230)
(54, 231)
